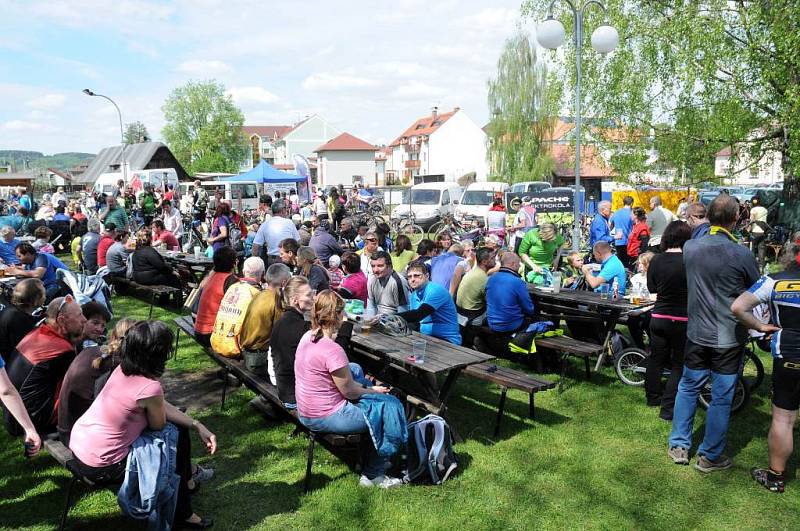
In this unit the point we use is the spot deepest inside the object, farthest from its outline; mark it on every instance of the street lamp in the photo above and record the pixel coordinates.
(605, 38)
(121, 131)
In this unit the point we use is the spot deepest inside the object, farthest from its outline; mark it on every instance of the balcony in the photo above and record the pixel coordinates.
(412, 148)
(413, 164)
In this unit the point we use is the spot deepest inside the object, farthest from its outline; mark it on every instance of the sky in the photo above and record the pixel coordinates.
(369, 68)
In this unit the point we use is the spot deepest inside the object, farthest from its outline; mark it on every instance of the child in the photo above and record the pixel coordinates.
(638, 320)
(571, 273)
(42, 243)
(335, 273)
(251, 235)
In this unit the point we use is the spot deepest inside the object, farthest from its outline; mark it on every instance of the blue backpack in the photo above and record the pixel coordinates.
(430, 451)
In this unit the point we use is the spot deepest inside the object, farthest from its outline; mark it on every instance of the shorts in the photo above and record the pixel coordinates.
(786, 383)
(718, 360)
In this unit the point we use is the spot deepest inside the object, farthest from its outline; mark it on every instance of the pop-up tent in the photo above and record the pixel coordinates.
(266, 173)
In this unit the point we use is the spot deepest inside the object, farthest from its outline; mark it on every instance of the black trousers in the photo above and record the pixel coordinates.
(622, 254)
(157, 279)
(667, 345)
(638, 325)
(468, 332)
(109, 475)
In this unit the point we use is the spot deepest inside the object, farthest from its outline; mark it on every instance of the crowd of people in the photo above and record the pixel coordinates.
(285, 301)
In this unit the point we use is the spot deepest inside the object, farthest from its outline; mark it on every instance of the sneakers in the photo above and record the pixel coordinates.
(383, 482)
(679, 456)
(201, 475)
(769, 480)
(706, 465)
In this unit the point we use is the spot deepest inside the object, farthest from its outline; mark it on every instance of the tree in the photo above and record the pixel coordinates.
(522, 110)
(136, 133)
(694, 77)
(204, 128)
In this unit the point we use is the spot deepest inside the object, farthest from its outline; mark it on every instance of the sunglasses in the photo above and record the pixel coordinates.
(66, 300)
(371, 239)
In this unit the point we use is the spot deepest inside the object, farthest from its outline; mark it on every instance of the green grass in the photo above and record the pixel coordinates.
(594, 458)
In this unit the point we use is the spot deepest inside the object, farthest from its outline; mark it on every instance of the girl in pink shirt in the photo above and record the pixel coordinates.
(131, 401)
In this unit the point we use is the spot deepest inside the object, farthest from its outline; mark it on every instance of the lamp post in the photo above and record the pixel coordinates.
(121, 131)
(605, 38)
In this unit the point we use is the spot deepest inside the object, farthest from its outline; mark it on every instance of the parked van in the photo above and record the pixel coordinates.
(106, 182)
(529, 187)
(429, 201)
(477, 199)
(243, 195)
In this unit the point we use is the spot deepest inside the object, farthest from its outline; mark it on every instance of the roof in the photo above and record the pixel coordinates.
(592, 164)
(346, 142)
(143, 156)
(426, 125)
(60, 173)
(17, 176)
(269, 131)
(727, 152)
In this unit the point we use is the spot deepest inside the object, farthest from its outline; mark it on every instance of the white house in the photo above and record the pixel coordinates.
(278, 144)
(741, 169)
(345, 160)
(448, 144)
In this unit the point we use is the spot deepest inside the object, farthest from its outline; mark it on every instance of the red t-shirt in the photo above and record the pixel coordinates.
(168, 238)
(102, 249)
(210, 299)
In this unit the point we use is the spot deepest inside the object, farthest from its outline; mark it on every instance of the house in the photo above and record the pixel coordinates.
(143, 156)
(737, 167)
(278, 144)
(346, 160)
(447, 144)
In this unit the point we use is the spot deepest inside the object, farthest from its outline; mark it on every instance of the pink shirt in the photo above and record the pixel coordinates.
(356, 283)
(104, 434)
(316, 393)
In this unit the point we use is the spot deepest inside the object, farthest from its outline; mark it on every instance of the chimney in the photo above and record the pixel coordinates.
(434, 112)
(456, 109)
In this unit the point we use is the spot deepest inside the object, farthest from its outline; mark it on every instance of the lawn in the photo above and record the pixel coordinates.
(594, 458)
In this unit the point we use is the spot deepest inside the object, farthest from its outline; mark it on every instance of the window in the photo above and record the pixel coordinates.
(445, 197)
(478, 197)
(421, 197)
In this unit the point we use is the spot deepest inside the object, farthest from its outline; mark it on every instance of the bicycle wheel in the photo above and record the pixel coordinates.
(414, 233)
(753, 371)
(741, 394)
(630, 366)
(436, 228)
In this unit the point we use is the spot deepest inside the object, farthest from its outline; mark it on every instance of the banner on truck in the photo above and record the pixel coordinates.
(544, 201)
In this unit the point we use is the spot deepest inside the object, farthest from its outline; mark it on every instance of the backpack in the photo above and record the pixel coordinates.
(129, 267)
(230, 317)
(430, 451)
(235, 236)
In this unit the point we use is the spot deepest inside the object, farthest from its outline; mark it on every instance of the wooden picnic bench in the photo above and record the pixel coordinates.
(565, 347)
(507, 379)
(261, 386)
(154, 292)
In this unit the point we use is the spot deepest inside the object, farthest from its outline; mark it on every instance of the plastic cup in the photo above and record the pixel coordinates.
(604, 292)
(198, 251)
(418, 348)
(556, 282)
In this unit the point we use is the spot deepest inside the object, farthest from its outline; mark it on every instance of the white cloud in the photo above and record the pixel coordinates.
(417, 89)
(47, 101)
(326, 81)
(245, 95)
(204, 68)
(22, 125)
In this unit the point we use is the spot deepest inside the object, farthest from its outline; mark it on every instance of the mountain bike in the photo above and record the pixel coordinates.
(406, 224)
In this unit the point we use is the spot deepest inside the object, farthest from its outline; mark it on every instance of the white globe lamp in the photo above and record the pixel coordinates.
(550, 34)
(605, 38)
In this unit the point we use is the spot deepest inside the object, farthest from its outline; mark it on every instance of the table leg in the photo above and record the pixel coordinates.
(610, 324)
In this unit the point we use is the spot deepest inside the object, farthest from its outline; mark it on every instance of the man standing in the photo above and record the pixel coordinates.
(622, 221)
(600, 230)
(323, 243)
(272, 232)
(718, 269)
(113, 213)
(657, 220)
(387, 291)
(696, 218)
(199, 202)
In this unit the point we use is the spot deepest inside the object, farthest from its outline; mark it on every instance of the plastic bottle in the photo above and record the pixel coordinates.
(615, 290)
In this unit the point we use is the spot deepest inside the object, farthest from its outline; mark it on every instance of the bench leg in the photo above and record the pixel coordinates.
(152, 303)
(531, 411)
(588, 368)
(563, 373)
(177, 336)
(309, 462)
(500, 409)
(65, 511)
(224, 388)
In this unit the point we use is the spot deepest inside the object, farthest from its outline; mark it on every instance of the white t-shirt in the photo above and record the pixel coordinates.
(495, 220)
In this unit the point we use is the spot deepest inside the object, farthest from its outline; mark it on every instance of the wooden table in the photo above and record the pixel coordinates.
(442, 358)
(197, 267)
(587, 306)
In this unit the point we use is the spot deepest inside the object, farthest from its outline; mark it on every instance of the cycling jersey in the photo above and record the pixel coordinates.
(781, 291)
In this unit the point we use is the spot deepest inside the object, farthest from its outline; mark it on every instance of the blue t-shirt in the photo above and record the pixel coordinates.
(7, 251)
(613, 268)
(622, 222)
(12, 221)
(61, 217)
(51, 263)
(443, 322)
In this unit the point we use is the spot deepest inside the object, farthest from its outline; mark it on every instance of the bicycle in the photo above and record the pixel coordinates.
(447, 223)
(406, 224)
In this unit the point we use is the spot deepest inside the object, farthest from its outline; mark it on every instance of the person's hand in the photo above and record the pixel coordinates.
(586, 269)
(768, 328)
(208, 438)
(33, 438)
(380, 389)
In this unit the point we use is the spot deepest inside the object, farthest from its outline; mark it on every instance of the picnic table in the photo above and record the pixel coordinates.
(585, 306)
(197, 267)
(442, 359)
(7, 285)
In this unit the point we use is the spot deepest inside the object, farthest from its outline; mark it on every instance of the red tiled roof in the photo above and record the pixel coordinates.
(290, 167)
(346, 142)
(592, 164)
(268, 131)
(425, 125)
(725, 152)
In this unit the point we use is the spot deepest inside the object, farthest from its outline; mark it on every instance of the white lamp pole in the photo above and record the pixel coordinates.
(605, 38)
(121, 131)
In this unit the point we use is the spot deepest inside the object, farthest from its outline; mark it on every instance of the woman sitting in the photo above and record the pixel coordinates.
(42, 242)
(308, 266)
(213, 288)
(149, 267)
(355, 281)
(131, 402)
(402, 254)
(325, 386)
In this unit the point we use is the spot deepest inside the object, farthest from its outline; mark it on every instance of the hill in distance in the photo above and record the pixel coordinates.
(36, 160)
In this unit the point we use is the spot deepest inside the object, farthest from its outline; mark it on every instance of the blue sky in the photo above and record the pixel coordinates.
(370, 68)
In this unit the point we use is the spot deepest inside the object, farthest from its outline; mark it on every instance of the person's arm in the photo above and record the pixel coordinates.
(557, 257)
(13, 403)
(524, 298)
(415, 316)
(591, 280)
(742, 308)
(458, 274)
(179, 418)
(349, 388)
(156, 411)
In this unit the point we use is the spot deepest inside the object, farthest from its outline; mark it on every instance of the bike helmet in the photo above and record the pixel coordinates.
(392, 325)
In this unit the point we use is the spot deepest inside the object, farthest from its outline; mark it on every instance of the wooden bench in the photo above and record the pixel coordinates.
(264, 388)
(154, 291)
(566, 346)
(508, 378)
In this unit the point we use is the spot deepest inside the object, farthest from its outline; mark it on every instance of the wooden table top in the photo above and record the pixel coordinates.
(440, 356)
(188, 259)
(589, 298)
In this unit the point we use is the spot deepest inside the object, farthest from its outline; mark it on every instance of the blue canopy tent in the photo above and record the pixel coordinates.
(266, 173)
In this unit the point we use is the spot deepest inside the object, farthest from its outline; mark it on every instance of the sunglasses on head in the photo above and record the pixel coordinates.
(66, 300)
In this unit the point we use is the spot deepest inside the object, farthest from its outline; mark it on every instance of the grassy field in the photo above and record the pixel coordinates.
(594, 458)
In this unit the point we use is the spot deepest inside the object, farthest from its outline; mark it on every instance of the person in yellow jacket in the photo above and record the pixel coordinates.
(225, 337)
(264, 310)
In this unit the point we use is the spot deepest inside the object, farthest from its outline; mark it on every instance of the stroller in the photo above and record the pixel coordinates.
(87, 288)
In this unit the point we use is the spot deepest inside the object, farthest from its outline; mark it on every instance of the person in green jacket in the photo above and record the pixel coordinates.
(540, 249)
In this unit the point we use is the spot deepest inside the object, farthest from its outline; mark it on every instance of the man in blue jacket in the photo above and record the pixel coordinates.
(508, 302)
(600, 231)
(622, 223)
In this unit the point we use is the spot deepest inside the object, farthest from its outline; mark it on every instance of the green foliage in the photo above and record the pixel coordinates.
(204, 128)
(522, 106)
(136, 133)
(696, 76)
(37, 160)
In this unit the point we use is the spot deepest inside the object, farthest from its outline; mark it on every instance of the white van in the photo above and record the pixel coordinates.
(477, 199)
(529, 187)
(243, 195)
(106, 182)
(428, 202)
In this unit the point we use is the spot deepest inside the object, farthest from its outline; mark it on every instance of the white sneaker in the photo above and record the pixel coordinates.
(384, 482)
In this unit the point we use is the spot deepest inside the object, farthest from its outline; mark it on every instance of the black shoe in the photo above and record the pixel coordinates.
(767, 479)
(204, 523)
(665, 415)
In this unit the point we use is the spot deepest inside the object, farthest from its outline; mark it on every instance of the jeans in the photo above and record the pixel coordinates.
(350, 419)
(717, 417)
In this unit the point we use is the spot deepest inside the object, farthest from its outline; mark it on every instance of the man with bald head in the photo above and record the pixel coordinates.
(17, 319)
(508, 304)
(41, 359)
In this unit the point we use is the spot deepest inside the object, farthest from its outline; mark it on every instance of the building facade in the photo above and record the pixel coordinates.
(278, 144)
(346, 160)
